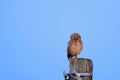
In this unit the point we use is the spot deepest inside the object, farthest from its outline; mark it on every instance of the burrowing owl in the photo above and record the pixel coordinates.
(74, 45)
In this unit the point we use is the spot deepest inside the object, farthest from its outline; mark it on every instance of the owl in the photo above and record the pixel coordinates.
(74, 45)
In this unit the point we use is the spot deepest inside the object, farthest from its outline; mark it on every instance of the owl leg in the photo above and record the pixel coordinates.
(76, 56)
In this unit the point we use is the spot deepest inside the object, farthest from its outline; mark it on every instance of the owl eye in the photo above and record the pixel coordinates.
(75, 38)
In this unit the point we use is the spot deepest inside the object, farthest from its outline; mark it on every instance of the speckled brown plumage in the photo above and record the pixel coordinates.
(74, 45)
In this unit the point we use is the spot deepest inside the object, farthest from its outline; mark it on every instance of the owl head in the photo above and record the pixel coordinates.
(75, 36)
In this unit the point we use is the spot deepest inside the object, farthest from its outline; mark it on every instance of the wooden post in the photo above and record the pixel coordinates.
(82, 65)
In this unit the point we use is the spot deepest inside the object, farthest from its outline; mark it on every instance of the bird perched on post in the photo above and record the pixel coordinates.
(74, 45)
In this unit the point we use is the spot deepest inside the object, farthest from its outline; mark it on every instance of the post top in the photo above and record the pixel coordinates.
(80, 59)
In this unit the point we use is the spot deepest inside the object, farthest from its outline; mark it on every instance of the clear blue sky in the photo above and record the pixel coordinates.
(34, 36)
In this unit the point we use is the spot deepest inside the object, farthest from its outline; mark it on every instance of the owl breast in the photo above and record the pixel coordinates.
(76, 48)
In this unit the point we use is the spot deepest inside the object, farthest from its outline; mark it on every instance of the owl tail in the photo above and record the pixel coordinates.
(69, 56)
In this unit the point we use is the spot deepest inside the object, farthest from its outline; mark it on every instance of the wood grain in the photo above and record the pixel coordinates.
(82, 65)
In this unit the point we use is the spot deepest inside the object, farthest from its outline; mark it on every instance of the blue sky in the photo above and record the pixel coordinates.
(34, 36)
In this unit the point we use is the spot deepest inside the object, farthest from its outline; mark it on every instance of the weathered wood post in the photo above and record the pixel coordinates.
(83, 66)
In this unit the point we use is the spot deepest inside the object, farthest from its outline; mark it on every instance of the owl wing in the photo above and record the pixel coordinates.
(68, 50)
